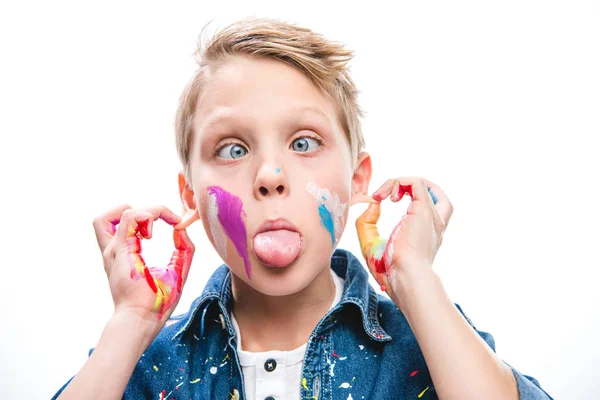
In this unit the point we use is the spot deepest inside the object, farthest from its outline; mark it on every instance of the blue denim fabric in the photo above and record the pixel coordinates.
(362, 347)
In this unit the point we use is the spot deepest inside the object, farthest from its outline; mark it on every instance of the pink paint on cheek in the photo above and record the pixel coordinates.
(231, 216)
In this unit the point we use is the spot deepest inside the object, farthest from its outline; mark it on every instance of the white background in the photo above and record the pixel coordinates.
(497, 102)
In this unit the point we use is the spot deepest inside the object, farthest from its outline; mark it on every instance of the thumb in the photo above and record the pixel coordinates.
(366, 226)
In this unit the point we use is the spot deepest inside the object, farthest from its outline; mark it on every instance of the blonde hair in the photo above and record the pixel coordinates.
(324, 62)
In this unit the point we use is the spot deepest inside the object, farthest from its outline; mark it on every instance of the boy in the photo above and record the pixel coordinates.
(269, 138)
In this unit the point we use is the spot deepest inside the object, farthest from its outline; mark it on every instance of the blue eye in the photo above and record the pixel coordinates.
(305, 144)
(232, 151)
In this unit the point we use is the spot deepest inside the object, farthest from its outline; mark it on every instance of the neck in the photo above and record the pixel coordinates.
(280, 322)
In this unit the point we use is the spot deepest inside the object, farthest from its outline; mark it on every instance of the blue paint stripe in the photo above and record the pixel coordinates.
(327, 221)
(433, 196)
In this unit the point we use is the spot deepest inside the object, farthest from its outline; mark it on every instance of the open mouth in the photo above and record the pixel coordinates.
(277, 243)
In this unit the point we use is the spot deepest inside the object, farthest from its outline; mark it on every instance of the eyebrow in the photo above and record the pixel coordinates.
(225, 117)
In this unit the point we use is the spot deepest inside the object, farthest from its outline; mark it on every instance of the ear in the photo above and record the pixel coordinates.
(190, 208)
(361, 178)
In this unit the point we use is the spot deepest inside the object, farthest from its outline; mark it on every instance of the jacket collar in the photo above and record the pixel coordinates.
(357, 293)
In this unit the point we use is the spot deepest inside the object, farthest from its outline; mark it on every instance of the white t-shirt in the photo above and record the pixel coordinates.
(275, 375)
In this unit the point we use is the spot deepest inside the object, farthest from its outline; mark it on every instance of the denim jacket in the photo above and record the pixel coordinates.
(363, 348)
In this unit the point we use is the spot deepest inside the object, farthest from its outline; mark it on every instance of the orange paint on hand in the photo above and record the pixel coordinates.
(372, 245)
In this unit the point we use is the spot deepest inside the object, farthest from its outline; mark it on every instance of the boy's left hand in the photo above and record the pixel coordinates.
(414, 241)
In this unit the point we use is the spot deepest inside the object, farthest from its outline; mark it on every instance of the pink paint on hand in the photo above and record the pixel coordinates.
(166, 282)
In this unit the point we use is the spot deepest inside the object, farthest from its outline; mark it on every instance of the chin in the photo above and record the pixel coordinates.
(291, 279)
(288, 280)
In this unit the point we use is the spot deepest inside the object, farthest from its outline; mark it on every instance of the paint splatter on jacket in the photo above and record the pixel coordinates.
(363, 348)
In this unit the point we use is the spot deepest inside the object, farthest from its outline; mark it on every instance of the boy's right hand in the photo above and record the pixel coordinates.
(148, 293)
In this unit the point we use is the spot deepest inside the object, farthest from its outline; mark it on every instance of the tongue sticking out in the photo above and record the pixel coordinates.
(278, 248)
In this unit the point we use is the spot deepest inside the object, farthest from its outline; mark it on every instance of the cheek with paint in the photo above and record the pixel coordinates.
(216, 230)
(331, 210)
(226, 219)
(167, 281)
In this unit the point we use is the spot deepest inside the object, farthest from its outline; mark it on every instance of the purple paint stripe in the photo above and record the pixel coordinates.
(230, 215)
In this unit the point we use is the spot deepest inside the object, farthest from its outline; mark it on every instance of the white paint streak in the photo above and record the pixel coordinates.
(216, 229)
(389, 255)
(345, 385)
(331, 366)
(389, 250)
(332, 203)
(392, 278)
(213, 370)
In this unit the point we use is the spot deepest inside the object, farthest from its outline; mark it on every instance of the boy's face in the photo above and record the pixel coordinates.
(268, 147)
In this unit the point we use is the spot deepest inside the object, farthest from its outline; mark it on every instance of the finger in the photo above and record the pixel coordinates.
(146, 228)
(104, 225)
(443, 205)
(165, 214)
(394, 194)
(188, 221)
(141, 221)
(384, 191)
(366, 226)
(132, 222)
(183, 254)
(417, 190)
(359, 198)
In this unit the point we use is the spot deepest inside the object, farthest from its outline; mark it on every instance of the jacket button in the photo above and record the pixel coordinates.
(270, 365)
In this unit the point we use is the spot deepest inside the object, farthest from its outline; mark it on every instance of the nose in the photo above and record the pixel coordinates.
(270, 181)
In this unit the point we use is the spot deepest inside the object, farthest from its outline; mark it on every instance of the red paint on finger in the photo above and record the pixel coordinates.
(405, 189)
(143, 227)
(135, 244)
(166, 282)
(378, 264)
(180, 240)
(150, 279)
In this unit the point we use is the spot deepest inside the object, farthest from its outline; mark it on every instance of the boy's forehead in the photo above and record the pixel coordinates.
(221, 116)
(258, 84)
(259, 89)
